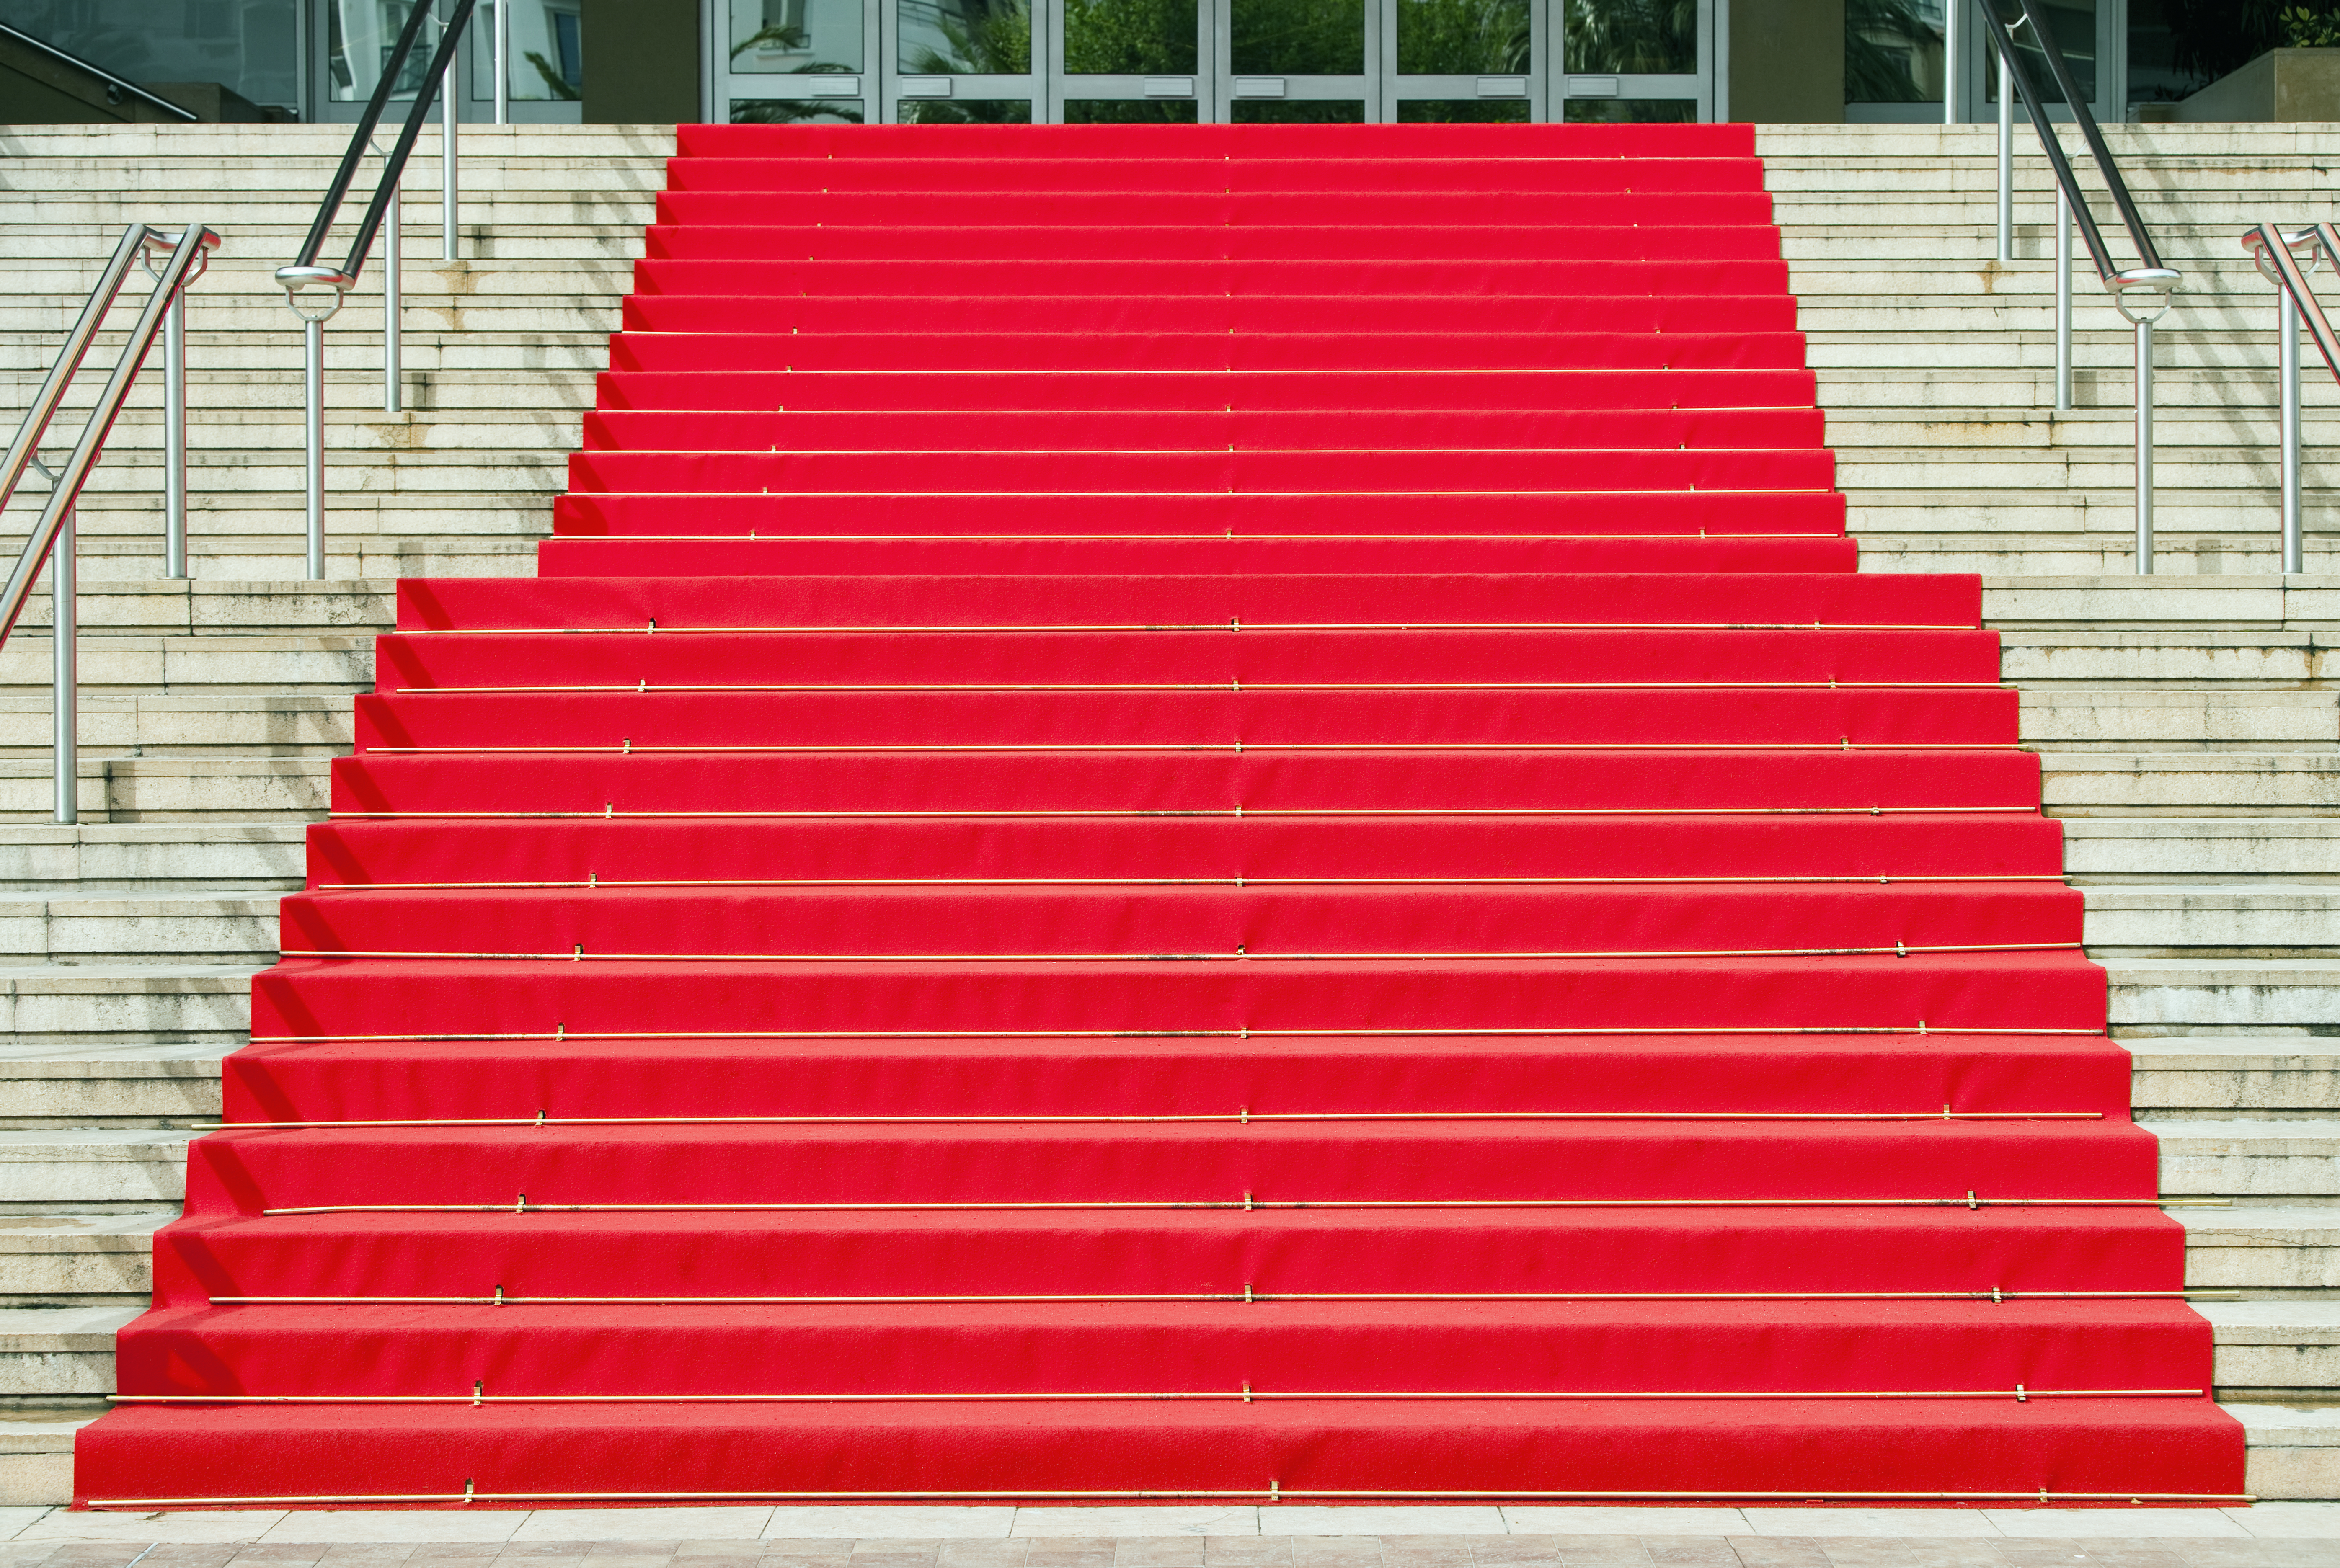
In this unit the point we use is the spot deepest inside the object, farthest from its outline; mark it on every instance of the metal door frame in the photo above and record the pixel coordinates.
(1547, 86)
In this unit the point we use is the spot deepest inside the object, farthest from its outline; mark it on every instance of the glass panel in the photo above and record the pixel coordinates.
(1299, 38)
(795, 37)
(967, 112)
(1631, 110)
(360, 35)
(245, 45)
(1631, 37)
(1461, 38)
(796, 111)
(2178, 47)
(1129, 112)
(546, 52)
(1296, 111)
(1462, 111)
(1130, 37)
(966, 38)
(2073, 24)
(1893, 51)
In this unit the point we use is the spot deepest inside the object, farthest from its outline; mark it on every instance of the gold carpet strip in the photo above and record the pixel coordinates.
(1246, 1395)
(1244, 1117)
(592, 881)
(1247, 1296)
(1270, 1494)
(610, 813)
(578, 955)
(563, 1032)
(1234, 624)
(645, 687)
(1247, 1204)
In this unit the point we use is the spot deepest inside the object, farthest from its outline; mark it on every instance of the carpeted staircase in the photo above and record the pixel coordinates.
(1203, 812)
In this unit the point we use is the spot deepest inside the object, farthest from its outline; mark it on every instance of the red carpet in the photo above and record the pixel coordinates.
(1184, 812)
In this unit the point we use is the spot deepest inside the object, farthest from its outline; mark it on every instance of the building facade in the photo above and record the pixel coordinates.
(1056, 61)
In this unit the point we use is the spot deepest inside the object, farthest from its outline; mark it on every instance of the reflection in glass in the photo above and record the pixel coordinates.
(2178, 47)
(245, 45)
(1462, 111)
(1631, 110)
(2073, 25)
(967, 112)
(1299, 38)
(1129, 111)
(1129, 37)
(546, 58)
(1630, 37)
(1893, 51)
(359, 37)
(1296, 111)
(795, 37)
(1462, 37)
(966, 38)
(796, 111)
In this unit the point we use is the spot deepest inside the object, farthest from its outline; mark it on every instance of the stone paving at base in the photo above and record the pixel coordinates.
(2271, 1535)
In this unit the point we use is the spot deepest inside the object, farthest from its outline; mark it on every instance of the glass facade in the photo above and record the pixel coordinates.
(248, 46)
(1170, 61)
(1220, 61)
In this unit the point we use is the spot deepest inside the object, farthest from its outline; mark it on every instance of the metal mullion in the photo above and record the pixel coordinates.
(1218, 60)
(1542, 42)
(1048, 64)
(1381, 61)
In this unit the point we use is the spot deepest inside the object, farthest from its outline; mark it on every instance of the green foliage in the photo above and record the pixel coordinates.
(1300, 38)
(555, 85)
(1633, 37)
(2306, 29)
(1129, 37)
(1462, 37)
(993, 40)
(1880, 40)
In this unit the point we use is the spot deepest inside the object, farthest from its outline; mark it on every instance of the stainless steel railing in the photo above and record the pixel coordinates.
(2286, 256)
(2142, 293)
(187, 254)
(315, 293)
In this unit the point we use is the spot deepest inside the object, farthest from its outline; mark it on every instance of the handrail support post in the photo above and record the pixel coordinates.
(2006, 162)
(2145, 447)
(312, 332)
(65, 632)
(2063, 300)
(450, 165)
(393, 308)
(503, 62)
(2294, 541)
(174, 436)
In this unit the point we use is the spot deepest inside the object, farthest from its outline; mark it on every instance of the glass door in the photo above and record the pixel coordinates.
(959, 61)
(350, 40)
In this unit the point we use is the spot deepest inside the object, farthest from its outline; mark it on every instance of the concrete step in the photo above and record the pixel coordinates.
(263, 723)
(196, 927)
(93, 1260)
(2222, 996)
(198, 853)
(2257, 920)
(107, 1006)
(2266, 1351)
(2266, 1250)
(2288, 1162)
(2232, 1076)
(55, 1354)
(82, 1170)
(168, 789)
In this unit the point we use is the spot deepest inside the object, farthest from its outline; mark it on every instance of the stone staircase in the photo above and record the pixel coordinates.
(2191, 743)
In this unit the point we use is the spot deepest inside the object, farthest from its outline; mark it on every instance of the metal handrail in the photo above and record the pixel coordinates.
(2277, 253)
(189, 249)
(305, 273)
(2142, 293)
(101, 73)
